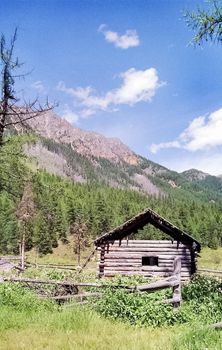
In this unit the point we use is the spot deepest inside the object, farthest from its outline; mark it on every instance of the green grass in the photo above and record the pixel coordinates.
(63, 254)
(74, 329)
(81, 329)
(29, 324)
(210, 258)
(197, 338)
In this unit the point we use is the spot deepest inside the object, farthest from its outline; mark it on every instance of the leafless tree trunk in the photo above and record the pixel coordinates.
(24, 213)
(80, 235)
(12, 110)
(23, 250)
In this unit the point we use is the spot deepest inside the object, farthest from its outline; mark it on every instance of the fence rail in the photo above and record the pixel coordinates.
(210, 271)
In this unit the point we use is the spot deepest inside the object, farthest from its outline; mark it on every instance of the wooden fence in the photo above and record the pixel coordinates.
(71, 289)
(217, 273)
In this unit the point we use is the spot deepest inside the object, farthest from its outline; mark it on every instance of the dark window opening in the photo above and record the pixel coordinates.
(149, 260)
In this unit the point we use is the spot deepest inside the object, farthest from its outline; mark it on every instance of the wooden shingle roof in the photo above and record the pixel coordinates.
(148, 216)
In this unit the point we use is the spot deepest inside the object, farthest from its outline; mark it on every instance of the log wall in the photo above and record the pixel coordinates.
(125, 258)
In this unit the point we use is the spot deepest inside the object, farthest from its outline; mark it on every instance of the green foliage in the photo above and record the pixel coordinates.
(202, 302)
(20, 298)
(28, 322)
(207, 22)
(9, 231)
(12, 167)
(138, 309)
(58, 203)
(203, 287)
(198, 339)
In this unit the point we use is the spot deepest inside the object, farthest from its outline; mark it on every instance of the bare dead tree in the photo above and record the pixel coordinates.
(12, 110)
(79, 231)
(24, 213)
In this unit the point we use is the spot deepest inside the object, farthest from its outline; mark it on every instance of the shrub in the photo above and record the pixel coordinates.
(202, 287)
(20, 298)
(202, 302)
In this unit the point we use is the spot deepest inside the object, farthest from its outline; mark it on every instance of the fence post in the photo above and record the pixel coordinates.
(177, 289)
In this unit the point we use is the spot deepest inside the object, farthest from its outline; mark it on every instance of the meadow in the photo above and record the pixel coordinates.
(29, 323)
(78, 328)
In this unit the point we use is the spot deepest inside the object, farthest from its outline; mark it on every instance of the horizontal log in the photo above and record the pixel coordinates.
(148, 245)
(145, 268)
(210, 271)
(122, 264)
(146, 252)
(7, 258)
(170, 263)
(138, 259)
(162, 258)
(129, 255)
(166, 283)
(121, 269)
(138, 264)
(151, 251)
(184, 275)
(135, 273)
(35, 281)
(144, 246)
(122, 260)
(53, 267)
(217, 326)
(74, 296)
(171, 258)
(145, 241)
(144, 273)
(61, 283)
(159, 268)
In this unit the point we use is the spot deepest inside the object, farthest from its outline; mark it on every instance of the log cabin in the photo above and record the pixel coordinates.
(118, 254)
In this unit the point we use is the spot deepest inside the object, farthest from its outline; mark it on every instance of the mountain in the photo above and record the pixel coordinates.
(86, 143)
(85, 156)
(109, 184)
(194, 175)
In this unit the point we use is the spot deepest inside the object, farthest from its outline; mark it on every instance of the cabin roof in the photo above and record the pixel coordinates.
(148, 216)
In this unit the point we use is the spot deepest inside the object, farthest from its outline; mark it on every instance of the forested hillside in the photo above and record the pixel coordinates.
(86, 156)
(59, 203)
(145, 176)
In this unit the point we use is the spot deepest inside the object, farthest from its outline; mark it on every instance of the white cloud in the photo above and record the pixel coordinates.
(69, 115)
(129, 39)
(86, 113)
(203, 133)
(73, 117)
(137, 86)
(81, 93)
(38, 85)
(154, 148)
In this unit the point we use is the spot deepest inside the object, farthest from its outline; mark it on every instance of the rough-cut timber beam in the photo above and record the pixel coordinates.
(142, 219)
(164, 283)
(217, 326)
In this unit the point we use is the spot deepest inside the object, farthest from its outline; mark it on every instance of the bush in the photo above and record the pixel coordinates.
(20, 298)
(202, 302)
(202, 287)
(140, 309)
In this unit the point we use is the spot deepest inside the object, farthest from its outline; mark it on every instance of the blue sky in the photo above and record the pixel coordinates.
(124, 68)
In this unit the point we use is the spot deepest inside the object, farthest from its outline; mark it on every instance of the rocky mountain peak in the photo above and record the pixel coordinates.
(86, 143)
(194, 174)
